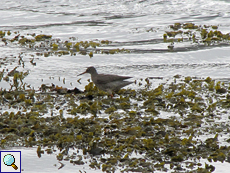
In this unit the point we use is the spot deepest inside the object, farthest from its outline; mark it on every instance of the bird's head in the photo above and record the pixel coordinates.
(90, 70)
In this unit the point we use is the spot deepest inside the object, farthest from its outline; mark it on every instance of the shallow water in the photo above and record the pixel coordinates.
(137, 25)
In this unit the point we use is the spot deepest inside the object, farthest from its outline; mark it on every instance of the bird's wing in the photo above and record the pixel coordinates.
(104, 78)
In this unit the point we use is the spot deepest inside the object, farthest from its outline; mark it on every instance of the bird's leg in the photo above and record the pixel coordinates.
(110, 94)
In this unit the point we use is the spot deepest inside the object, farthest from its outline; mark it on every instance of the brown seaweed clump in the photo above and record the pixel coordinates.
(119, 127)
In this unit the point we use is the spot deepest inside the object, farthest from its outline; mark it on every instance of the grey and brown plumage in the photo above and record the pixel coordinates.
(107, 82)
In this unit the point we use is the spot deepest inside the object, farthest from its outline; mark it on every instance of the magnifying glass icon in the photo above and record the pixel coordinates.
(9, 160)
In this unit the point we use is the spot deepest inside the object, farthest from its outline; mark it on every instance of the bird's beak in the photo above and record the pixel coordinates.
(81, 73)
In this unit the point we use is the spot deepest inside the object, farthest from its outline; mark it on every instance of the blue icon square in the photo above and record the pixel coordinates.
(10, 161)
